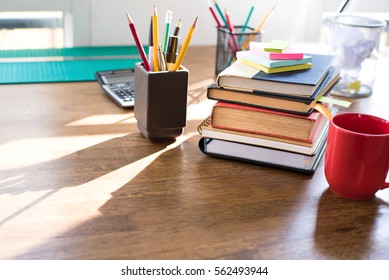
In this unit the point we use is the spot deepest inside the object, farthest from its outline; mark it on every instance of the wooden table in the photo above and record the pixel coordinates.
(79, 181)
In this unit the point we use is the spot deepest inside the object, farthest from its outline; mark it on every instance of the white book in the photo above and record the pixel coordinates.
(262, 155)
(269, 142)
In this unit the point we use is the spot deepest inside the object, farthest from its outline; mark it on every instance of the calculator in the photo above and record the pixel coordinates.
(118, 85)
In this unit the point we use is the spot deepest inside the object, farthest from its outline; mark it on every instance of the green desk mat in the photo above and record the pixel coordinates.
(63, 65)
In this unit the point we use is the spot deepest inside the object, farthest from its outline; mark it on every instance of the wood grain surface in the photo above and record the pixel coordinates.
(79, 181)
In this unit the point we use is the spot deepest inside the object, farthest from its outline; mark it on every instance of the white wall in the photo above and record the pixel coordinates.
(293, 19)
(103, 22)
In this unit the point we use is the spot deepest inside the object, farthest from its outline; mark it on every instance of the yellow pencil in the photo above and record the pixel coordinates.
(155, 40)
(185, 46)
(258, 28)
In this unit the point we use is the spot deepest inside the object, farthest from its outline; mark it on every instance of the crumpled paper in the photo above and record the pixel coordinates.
(351, 46)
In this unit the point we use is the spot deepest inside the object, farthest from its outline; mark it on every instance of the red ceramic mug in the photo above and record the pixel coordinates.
(357, 155)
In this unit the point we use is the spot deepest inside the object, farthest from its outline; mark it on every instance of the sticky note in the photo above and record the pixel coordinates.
(334, 101)
(323, 110)
(276, 46)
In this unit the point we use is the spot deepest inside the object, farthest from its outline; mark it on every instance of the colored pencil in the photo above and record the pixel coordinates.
(249, 16)
(232, 31)
(214, 15)
(220, 12)
(259, 27)
(138, 43)
(219, 25)
(155, 40)
(185, 46)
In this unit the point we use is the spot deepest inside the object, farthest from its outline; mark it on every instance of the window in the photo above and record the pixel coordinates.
(31, 30)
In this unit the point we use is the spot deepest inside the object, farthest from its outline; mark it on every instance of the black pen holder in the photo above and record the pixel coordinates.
(226, 47)
(161, 102)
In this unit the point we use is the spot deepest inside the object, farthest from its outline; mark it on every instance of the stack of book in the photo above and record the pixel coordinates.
(270, 118)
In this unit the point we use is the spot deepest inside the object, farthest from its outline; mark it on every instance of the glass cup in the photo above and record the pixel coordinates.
(353, 40)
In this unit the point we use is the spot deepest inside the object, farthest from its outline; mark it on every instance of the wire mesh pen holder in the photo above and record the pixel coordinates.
(229, 43)
(161, 102)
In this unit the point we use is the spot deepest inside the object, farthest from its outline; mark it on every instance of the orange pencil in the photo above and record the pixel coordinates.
(259, 27)
(185, 46)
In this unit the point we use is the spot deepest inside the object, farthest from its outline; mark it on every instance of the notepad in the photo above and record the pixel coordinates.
(287, 53)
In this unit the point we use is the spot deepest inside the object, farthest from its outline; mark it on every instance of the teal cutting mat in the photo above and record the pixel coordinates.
(63, 65)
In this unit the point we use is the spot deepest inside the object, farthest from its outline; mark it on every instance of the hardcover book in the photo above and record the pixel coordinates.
(266, 122)
(240, 76)
(262, 155)
(293, 104)
(208, 131)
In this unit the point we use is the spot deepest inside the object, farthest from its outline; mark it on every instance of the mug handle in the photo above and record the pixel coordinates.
(386, 185)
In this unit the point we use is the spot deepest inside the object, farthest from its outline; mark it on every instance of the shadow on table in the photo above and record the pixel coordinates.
(185, 205)
(346, 229)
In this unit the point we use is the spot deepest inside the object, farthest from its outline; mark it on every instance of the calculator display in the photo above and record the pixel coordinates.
(119, 78)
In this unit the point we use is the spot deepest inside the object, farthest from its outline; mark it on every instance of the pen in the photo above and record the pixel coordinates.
(151, 52)
(138, 43)
(155, 40)
(220, 13)
(185, 46)
(168, 20)
(171, 53)
(259, 27)
(161, 59)
(178, 27)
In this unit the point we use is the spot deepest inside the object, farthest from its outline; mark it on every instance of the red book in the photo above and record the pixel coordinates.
(266, 122)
